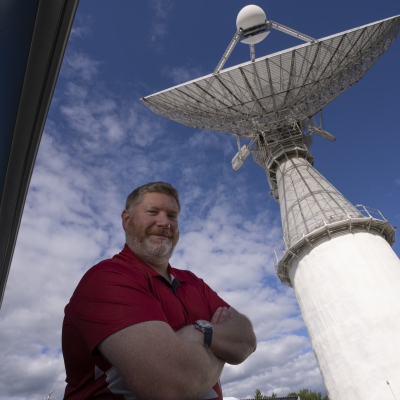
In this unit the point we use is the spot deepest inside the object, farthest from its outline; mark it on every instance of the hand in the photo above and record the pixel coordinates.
(233, 338)
(221, 314)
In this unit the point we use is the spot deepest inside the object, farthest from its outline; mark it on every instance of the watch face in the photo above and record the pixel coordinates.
(203, 324)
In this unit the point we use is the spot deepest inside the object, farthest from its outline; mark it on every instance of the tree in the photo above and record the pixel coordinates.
(306, 394)
(259, 396)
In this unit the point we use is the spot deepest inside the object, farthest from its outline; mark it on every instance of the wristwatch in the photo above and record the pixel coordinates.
(207, 328)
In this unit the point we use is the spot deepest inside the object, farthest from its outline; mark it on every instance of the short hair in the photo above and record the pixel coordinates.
(136, 197)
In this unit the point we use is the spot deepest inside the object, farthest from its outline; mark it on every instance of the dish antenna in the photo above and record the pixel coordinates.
(336, 256)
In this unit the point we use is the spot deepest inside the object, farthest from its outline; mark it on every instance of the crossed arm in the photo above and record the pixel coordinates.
(158, 363)
(233, 338)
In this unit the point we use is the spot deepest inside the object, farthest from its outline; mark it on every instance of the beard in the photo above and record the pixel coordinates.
(155, 252)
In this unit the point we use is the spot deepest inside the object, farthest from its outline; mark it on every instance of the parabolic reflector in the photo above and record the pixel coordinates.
(279, 89)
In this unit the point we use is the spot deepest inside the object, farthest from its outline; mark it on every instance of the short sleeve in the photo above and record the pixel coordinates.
(109, 299)
(211, 297)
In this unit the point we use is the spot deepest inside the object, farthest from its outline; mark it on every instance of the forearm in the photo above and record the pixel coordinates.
(234, 339)
(158, 363)
(199, 371)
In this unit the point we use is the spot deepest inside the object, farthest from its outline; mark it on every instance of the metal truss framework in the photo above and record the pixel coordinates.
(277, 91)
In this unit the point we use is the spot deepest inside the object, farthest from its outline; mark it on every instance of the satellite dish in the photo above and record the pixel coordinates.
(280, 89)
(250, 18)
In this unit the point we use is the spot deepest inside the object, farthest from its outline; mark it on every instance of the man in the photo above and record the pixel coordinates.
(136, 328)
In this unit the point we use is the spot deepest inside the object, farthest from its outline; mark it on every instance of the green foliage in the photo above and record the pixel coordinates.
(306, 394)
(259, 396)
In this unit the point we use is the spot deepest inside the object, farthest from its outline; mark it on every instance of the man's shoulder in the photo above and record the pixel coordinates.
(115, 263)
(109, 279)
(119, 267)
(125, 261)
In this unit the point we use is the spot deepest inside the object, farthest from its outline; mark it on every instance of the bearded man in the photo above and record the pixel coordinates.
(136, 328)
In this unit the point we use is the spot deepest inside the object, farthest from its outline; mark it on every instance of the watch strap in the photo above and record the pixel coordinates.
(207, 337)
(207, 329)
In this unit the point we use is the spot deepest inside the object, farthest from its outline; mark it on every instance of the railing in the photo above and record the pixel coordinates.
(301, 231)
(370, 212)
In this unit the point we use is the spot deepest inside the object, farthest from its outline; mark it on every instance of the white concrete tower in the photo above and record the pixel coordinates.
(346, 278)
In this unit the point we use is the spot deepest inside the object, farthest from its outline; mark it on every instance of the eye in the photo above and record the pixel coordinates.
(152, 212)
(173, 217)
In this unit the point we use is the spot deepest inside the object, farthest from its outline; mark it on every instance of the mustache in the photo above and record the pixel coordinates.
(160, 231)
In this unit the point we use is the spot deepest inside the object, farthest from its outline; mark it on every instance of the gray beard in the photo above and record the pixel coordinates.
(154, 253)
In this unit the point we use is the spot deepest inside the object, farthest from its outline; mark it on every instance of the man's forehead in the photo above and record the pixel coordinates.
(157, 199)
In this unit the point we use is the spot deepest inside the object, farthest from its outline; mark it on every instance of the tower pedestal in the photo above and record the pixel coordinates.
(348, 290)
(347, 281)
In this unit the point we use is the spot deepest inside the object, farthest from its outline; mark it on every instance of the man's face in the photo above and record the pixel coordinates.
(152, 227)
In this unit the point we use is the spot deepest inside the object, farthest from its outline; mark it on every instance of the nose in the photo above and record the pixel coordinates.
(163, 220)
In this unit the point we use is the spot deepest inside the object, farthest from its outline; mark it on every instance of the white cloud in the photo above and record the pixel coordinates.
(79, 32)
(277, 367)
(81, 27)
(77, 64)
(159, 31)
(159, 26)
(161, 7)
(182, 74)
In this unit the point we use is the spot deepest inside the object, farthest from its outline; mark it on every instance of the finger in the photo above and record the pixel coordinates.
(216, 316)
(224, 314)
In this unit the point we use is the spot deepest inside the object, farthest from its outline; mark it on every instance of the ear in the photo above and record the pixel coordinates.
(125, 216)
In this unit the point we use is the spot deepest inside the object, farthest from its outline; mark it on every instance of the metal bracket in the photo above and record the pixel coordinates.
(228, 51)
(268, 24)
(290, 31)
(252, 53)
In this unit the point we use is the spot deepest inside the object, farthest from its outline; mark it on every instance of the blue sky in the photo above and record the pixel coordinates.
(100, 143)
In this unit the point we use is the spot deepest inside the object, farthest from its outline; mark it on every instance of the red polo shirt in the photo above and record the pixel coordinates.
(113, 295)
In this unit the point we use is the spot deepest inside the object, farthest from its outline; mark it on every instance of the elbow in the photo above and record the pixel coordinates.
(251, 343)
(235, 359)
(243, 351)
(238, 357)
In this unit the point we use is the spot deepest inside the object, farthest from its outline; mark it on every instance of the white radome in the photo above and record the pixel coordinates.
(249, 17)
